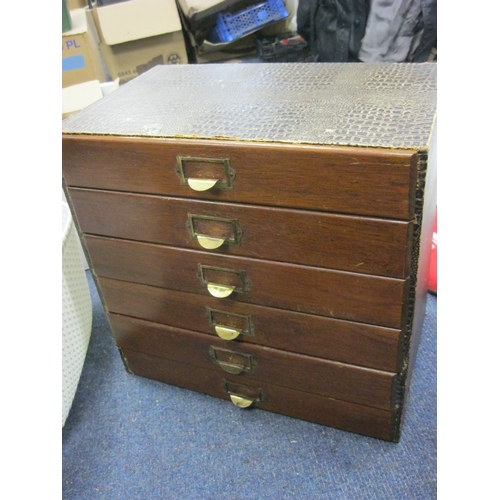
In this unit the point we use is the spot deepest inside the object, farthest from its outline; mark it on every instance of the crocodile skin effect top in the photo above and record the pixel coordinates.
(355, 104)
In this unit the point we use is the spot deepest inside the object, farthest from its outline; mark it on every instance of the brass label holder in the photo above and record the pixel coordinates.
(231, 361)
(222, 282)
(202, 174)
(242, 324)
(232, 234)
(243, 396)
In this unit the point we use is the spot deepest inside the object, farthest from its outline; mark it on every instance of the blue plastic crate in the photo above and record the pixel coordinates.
(231, 26)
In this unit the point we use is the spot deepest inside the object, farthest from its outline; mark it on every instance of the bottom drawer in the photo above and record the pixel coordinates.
(326, 378)
(351, 417)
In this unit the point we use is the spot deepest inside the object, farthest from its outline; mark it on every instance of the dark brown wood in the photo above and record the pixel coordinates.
(345, 341)
(363, 181)
(318, 376)
(338, 294)
(311, 407)
(357, 244)
(328, 235)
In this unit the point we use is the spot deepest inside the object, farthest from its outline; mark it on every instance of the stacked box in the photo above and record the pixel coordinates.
(137, 35)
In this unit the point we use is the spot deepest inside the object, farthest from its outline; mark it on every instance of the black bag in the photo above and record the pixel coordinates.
(333, 28)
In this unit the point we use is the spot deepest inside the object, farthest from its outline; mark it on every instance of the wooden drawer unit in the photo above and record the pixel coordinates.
(261, 233)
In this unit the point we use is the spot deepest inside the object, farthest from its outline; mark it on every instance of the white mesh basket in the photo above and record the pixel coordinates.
(76, 312)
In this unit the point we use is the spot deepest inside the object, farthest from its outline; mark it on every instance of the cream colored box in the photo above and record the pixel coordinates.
(137, 35)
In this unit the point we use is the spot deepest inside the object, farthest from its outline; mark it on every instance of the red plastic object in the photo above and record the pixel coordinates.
(432, 285)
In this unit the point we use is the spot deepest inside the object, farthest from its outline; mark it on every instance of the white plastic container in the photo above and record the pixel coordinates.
(76, 312)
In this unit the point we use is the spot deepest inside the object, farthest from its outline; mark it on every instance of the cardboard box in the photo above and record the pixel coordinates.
(136, 35)
(80, 96)
(81, 61)
(76, 4)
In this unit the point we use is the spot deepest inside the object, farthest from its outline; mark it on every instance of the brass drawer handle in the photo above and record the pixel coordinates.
(231, 361)
(226, 333)
(222, 282)
(212, 232)
(210, 243)
(202, 174)
(230, 368)
(220, 291)
(230, 325)
(201, 184)
(240, 401)
(243, 396)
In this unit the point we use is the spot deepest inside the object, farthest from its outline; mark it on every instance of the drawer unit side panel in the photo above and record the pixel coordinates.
(343, 295)
(351, 180)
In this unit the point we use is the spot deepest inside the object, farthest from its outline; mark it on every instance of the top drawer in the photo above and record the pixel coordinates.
(362, 181)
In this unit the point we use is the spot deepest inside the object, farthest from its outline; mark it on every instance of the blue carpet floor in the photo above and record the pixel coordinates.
(131, 438)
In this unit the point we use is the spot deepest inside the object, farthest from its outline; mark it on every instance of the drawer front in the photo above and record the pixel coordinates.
(345, 341)
(306, 406)
(358, 244)
(318, 376)
(351, 296)
(349, 180)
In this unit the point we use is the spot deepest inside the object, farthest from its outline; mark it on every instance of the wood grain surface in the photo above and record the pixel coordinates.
(345, 341)
(338, 294)
(349, 243)
(349, 180)
(306, 406)
(318, 376)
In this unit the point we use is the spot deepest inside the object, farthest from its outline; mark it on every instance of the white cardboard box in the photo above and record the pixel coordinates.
(80, 96)
(136, 35)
